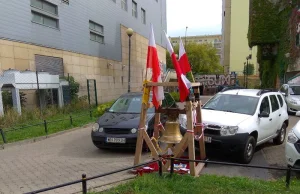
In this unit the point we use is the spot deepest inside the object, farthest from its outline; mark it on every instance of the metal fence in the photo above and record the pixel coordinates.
(84, 178)
(44, 123)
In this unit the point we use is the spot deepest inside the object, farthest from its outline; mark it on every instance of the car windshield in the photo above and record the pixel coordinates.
(232, 103)
(294, 90)
(129, 104)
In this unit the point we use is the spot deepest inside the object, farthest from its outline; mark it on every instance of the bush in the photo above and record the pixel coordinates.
(101, 108)
(176, 96)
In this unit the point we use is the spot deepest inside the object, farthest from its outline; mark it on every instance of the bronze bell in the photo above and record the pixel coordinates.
(171, 134)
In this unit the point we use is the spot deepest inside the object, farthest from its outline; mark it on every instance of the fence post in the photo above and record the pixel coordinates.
(46, 127)
(91, 114)
(160, 165)
(84, 188)
(288, 178)
(172, 165)
(71, 120)
(3, 136)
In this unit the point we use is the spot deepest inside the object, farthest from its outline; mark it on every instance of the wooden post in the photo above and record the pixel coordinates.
(156, 128)
(191, 143)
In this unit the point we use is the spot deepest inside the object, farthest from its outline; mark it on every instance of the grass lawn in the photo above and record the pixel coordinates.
(55, 123)
(210, 184)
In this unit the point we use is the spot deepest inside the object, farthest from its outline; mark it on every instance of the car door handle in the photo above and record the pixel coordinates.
(270, 119)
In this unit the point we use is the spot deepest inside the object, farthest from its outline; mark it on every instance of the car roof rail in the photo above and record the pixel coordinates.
(232, 88)
(266, 90)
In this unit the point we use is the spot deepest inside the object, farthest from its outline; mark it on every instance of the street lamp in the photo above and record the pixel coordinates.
(129, 32)
(248, 58)
(244, 72)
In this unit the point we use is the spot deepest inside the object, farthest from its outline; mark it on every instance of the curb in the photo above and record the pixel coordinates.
(41, 138)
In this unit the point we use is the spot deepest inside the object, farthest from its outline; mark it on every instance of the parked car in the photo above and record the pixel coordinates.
(291, 93)
(117, 127)
(238, 120)
(292, 147)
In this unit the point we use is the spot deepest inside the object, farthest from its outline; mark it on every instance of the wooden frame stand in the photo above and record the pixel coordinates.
(194, 129)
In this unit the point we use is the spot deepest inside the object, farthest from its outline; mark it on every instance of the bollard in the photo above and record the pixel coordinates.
(71, 120)
(288, 178)
(91, 114)
(84, 187)
(172, 165)
(46, 127)
(3, 136)
(160, 165)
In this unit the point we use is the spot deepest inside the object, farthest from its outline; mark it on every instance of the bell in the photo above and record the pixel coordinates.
(171, 134)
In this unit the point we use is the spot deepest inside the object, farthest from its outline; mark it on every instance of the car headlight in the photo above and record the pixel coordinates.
(292, 101)
(101, 129)
(95, 127)
(133, 130)
(229, 130)
(292, 138)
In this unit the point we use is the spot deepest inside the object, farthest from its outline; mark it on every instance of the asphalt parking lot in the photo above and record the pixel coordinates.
(65, 157)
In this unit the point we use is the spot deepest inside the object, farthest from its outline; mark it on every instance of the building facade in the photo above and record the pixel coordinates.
(85, 39)
(235, 49)
(214, 40)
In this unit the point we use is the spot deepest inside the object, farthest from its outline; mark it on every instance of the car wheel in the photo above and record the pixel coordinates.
(248, 151)
(281, 136)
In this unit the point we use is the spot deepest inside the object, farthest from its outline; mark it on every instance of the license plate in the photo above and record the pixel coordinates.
(207, 139)
(115, 140)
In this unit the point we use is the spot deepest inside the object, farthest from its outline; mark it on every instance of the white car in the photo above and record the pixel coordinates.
(237, 120)
(291, 93)
(292, 147)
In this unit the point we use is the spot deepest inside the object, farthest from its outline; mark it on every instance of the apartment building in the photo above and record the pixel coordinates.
(86, 39)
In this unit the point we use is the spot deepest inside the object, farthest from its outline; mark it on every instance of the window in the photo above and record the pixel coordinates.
(45, 6)
(124, 4)
(67, 1)
(96, 32)
(143, 16)
(44, 13)
(134, 9)
(45, 20)
(265, 105)
(280, 100)
(274, 103)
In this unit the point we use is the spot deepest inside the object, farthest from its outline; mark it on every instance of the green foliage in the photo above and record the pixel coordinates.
(7, 99)
(202, 57)
(205, 184)
(269, 23)
(102, 108)
(250, 70)
(175, 96)
(74, 87)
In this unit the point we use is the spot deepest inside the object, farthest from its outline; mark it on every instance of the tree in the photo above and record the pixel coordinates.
(250, 69)
(202, 57)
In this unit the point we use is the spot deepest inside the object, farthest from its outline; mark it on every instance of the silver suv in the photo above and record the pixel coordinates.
(291, 93)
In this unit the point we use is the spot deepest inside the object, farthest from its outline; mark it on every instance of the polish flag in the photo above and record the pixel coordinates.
(183, 59)
(153, 64)
(183, 83)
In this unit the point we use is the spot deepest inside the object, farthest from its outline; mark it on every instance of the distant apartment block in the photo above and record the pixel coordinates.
(214, 40)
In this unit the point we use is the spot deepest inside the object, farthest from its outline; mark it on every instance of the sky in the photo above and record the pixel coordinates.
(202, 17)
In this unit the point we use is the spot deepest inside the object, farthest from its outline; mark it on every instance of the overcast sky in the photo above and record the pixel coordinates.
(202, 17)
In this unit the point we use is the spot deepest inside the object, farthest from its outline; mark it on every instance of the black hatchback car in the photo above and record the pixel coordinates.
(117, 127)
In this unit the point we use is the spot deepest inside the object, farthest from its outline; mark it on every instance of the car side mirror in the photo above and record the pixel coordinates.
(263, 114)
(284, 94)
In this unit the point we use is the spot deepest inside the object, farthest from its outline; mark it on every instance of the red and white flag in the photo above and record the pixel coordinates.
(183, 83)
(183, 59)
(153, 64)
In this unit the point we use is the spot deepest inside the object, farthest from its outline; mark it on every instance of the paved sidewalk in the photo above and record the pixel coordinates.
(58, 160)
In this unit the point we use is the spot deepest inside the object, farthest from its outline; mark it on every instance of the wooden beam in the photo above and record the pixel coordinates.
(198, 168)
(168, 84)
(191, 141)
(170, 111)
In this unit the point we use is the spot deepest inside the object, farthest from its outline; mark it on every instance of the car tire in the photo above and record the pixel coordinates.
(249, 149)
(281, 136)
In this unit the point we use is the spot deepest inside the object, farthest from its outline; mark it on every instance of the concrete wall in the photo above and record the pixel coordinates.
(109, 78)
